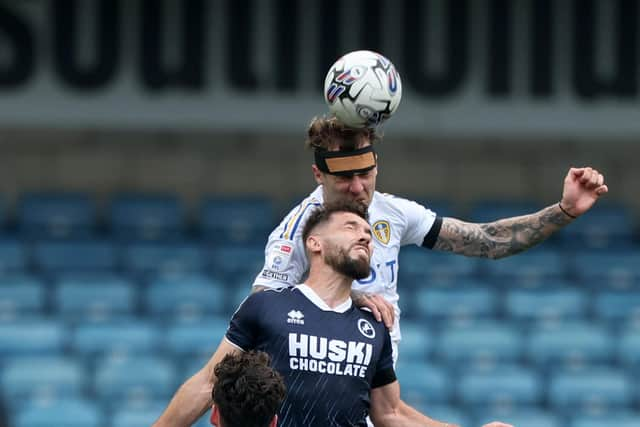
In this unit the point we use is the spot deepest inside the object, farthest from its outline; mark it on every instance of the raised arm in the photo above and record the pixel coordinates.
(499, 239)
(193, 398)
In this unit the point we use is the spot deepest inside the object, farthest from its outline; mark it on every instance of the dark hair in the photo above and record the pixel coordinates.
(326, 131)
(248, 391)
(323, 214)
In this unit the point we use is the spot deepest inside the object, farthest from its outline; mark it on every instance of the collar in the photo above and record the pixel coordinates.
(319, 302)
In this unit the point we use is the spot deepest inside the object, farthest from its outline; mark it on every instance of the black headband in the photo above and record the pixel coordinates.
(346, 163)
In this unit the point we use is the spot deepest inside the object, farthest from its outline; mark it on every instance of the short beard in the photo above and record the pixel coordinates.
(340, 261)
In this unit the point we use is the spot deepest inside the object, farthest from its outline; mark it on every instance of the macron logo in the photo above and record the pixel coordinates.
(295, 317)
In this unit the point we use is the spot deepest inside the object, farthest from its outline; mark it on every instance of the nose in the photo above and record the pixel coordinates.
(356, 185)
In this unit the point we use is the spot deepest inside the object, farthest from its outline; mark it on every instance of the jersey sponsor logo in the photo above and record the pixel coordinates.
(279, 256)
(270, 274)
(382, 231)
(329, 356)
(295, 317)
(366, 329)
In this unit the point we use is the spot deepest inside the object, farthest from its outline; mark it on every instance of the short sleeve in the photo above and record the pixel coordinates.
(385, 372)
(418, 220)
(244, 327)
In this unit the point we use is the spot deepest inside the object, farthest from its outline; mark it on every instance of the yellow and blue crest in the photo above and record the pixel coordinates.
(382, 231)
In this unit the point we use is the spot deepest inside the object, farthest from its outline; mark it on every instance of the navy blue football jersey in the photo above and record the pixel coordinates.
(330, 358)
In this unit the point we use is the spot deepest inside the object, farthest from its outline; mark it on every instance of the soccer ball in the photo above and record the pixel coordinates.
(362, 89)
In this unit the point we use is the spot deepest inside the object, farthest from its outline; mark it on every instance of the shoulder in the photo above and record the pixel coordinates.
(390, 204)
(293, 223)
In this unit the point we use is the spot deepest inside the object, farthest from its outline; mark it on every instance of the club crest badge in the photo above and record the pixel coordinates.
(382, 231)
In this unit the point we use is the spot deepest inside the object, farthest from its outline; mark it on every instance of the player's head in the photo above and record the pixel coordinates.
(247, 392)
(344, 161)
(339, 235)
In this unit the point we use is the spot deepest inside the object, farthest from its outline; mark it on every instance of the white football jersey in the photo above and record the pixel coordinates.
(395, 222)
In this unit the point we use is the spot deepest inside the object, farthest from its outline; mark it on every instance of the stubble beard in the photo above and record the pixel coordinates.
(341, 262)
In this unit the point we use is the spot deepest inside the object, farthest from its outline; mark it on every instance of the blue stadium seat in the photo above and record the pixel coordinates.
(237, 220)
(143, 415)
(27, 378)
(421, 267)
(197, 339)
(458, 304)
(56, 215)
(510, 386)
(190, 296)
(13, 256)
(233, 262)
(538, 265)
(607, 225)
(137, 216)
(615, 269)
(32, 338)
(423, 384)
(481, 344)
(60, 413)
(522, 417)
(79, 256)
(120, 338)
(546, 305)
(160, 258)
(615, 418)
(591, 391)
(571, 345)
(102, 298)
(628, 350)
(452, 414)
(134, 380)
(618, 307)
(21, 295)
(417, 342)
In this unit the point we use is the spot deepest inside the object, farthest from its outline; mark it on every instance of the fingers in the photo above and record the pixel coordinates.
(589, 177)
(602, 190)
(384, 308)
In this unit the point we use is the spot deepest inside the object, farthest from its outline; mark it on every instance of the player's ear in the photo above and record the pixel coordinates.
(313, 243)
(215, 416)
(317, 175)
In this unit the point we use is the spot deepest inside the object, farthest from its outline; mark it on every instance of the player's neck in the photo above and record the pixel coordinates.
(332, 287)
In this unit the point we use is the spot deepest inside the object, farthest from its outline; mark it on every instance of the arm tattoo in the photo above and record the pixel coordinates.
(500, 238)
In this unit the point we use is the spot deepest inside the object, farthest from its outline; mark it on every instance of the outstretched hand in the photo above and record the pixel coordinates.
(582, 188)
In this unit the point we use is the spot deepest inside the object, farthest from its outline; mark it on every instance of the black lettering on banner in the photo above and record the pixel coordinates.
(189, 72)
(621, 83)
(287, 36)
(105, 36)
(500, 58)
(328, 51)
(542, 36)
(240, 25)
(16, 35)
(444, 82)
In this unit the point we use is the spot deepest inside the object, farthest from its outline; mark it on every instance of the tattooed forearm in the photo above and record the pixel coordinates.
(500, 238)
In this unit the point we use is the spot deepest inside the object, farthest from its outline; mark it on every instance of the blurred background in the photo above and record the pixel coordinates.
(148, 147)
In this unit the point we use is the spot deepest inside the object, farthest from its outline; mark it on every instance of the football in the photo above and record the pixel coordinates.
(362, 89)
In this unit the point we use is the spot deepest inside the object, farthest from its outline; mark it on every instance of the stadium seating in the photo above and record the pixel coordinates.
(570, 345)
(618, 419)
(142, 415)
(424, 384)
(618, 307)
(99, 297)
(492, 210)
(56, 215)
(195, 339)
(186, 296)
(528, 269)
(417, 341)
(235, 262)
(628, 349)
(138, 216)
(521, 417)
(13, 256)
(458, 304)
(143, 259)
(134, 380)
(32, 337)
(509, 386)
(21, 296)
(608, 225)
(527, 306)
(120, 338)
(53, 257)
(67, 412)
(236, 220)
(422, 267)
(591, 391)
(42, 378)
(614, 268)
(479, 344)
